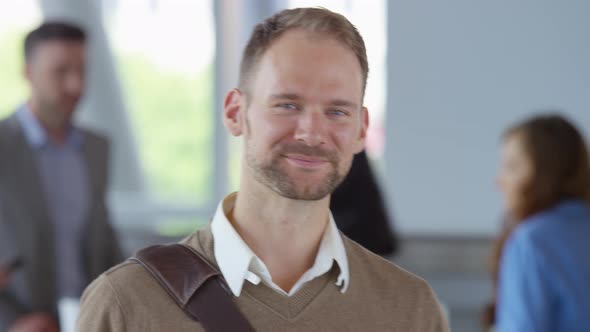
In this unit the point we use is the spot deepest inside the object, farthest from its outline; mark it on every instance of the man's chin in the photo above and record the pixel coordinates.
(304, 192)
(309, 197)
(297, 184)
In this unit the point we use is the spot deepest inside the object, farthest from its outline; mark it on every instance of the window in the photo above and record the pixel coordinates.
(16, 20)
(164, 51)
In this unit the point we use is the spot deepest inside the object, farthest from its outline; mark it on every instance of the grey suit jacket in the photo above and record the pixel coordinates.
(27, 230)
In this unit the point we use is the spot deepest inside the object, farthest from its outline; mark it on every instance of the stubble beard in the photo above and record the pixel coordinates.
(54, 116)
(277, 178)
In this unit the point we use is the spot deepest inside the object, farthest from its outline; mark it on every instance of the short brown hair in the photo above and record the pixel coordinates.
(52, 31)
(316, 20)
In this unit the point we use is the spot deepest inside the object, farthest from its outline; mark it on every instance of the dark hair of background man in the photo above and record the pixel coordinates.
(49, 31)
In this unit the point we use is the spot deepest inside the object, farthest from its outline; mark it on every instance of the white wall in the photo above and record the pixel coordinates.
(459, 72)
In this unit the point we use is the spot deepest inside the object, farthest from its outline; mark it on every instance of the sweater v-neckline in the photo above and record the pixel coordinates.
(289, 307)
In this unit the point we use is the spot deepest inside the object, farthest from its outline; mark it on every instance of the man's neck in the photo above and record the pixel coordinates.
(284, 233)
(56, 134)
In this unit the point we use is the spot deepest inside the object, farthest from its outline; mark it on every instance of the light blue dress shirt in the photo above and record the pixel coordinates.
(544, 282)
(63, 175)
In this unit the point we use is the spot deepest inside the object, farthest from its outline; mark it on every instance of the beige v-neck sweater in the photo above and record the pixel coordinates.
(380, 297)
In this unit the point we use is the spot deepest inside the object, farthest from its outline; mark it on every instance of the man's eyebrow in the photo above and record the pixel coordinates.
(343, 103)
(287, 96)
(294, 96)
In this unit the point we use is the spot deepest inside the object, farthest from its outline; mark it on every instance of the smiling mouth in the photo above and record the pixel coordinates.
(305, 161)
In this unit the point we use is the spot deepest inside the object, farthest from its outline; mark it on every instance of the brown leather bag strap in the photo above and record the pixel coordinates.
(195, 285)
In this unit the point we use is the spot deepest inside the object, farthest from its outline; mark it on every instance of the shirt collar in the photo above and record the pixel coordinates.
(231, 252)
(36, 135)
(334, 247)
(234, 257)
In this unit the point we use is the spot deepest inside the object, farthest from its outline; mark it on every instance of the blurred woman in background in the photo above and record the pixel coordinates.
(542, 257)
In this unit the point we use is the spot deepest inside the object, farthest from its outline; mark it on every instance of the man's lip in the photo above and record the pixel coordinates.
(304, 160)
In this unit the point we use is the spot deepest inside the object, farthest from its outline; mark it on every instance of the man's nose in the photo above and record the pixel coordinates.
(74, 83)
(311, 128)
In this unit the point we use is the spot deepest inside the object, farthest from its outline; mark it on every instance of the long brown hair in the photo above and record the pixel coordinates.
(561, 170)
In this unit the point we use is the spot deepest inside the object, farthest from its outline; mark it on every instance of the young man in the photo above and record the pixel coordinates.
(299, 109)
(53, 178)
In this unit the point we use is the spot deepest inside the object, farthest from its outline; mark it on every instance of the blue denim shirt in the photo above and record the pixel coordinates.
(63, 174)
(544, 282)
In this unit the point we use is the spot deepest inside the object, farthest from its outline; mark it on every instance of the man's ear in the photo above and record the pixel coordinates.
(27, 71)
(360, 141)
(234, 112)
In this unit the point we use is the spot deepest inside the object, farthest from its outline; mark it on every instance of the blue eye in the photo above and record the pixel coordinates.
(337, 112)
(288, 106)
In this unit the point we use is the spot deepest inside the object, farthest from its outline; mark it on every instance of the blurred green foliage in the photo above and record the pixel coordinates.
(13, 88)
(172, 116)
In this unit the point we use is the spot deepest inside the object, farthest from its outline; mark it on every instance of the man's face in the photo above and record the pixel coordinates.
(302, 118)
(55, 72)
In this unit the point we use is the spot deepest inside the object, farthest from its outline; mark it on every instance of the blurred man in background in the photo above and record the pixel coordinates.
(3, 277)
(53, 178)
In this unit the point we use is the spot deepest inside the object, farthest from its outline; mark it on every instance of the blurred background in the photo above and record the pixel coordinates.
(445, 79)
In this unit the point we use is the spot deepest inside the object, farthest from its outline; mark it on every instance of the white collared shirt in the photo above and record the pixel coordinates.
(238, 262)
